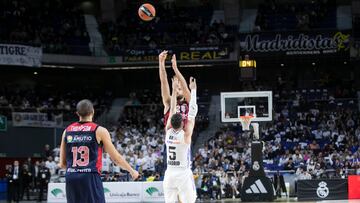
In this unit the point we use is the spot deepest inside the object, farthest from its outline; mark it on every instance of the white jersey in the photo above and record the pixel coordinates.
(178, 152)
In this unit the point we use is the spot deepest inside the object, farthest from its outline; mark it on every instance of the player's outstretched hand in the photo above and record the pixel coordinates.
(162, 56)
(173, 62)
(134, 175)
(192, 83)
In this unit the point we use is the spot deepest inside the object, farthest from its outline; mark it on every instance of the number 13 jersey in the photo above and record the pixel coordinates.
(178, 152)
(83, 153)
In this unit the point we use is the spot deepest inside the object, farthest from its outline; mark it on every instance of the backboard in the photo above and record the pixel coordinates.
(236, 104)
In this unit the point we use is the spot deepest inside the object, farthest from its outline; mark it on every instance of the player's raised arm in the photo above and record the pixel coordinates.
(62, 162)
(181, 78)
(175, 84)
(104, 136)
(193, 109)
(165, 89)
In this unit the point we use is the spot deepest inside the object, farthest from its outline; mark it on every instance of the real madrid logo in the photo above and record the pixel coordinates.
(322, 191)
(69, 139)
(256, 166)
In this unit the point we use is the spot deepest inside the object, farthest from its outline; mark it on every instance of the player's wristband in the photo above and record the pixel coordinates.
(193, 97)
(193, 108)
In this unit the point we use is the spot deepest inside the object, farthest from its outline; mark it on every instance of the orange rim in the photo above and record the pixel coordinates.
(246, 117)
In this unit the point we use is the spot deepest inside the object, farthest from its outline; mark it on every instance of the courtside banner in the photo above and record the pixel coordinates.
(311, 43)
(195, 53)
(41, 120)
(116, 192)
(122, 192)
(20, 55)
(329, 189)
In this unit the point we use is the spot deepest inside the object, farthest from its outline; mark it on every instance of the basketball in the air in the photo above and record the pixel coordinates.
(146, 12)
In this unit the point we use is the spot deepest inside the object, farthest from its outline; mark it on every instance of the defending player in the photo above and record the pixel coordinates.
(182, 90)
(178, 180)
(81, 153)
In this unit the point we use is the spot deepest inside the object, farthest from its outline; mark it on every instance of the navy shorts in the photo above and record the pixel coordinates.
(84, 188)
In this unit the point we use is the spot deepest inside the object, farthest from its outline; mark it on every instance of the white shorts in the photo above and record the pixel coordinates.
(179, 183)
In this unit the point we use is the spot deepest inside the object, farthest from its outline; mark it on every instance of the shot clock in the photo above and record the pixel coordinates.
(247, 69)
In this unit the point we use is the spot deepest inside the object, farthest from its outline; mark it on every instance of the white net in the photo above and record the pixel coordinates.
(245, 122)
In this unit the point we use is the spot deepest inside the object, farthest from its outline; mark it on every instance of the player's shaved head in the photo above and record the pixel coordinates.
(84, 108)
(176, 121)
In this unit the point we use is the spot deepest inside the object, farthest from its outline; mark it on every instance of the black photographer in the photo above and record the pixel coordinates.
(26, 178)
(43, 179)
(9, 181)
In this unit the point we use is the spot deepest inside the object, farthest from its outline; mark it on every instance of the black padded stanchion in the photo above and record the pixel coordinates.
(257, 187)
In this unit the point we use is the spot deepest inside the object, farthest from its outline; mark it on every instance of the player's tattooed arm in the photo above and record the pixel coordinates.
(165, 89)
(62, 162)
(175, 84)
(104, 137)
(181, 78)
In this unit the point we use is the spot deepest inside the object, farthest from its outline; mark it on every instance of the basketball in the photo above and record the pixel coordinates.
(146, 12)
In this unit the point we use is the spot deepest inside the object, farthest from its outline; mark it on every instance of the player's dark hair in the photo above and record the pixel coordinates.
(176, 121)
(84, 108)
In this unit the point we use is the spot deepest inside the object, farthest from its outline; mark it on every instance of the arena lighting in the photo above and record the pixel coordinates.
(58, 66)
(146, 67)
(128, 68)
(282, 65)
(313, 63)
(35, 73)
(345, 62)
(197, 65)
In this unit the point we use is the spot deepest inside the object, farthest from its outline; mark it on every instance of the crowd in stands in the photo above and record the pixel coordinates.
(171, 27)
(58, 26)
(313, 135)
(139, 135)
(290, 15)
(49, 100)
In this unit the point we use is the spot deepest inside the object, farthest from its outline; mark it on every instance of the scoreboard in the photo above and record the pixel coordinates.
(247, 69)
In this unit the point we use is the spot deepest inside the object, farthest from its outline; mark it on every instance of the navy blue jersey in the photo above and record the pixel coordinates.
(83, 153)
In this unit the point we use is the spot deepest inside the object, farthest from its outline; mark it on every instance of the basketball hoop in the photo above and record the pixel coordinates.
(245, 122)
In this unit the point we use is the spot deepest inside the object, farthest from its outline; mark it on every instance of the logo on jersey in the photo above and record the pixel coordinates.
(78, 138)
(83, 128)
(58, 193)
(173, 142)
(69, 138)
